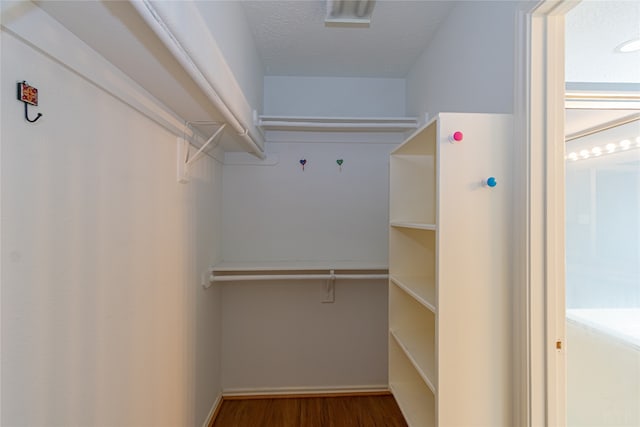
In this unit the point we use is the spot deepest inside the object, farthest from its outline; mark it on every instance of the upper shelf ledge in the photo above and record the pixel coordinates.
(298, 270)
(247, 266)
(338, 124)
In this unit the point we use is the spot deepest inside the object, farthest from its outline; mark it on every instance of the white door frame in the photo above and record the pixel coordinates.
(539, 306)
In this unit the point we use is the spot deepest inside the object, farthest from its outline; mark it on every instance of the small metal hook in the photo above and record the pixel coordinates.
(26, 114)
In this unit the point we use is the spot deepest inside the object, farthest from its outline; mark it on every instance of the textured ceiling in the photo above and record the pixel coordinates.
(292, 39)
(593, 31)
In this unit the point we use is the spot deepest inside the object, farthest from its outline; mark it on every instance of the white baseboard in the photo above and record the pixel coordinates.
(302, 391)
(214, 410)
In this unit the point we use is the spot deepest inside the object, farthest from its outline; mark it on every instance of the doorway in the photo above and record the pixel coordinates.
(602, 214)
(539, 229)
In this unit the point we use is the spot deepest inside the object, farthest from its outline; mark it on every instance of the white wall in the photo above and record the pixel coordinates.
(279, 212)
(334, 96)
(104, 321)
(468, 66)
(279, 336)
(231, 31)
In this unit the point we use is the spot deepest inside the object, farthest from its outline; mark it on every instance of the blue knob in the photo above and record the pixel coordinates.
(491, 181)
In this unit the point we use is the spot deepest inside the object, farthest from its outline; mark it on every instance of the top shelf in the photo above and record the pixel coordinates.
(338, 124)
(421, 142)
(299, 270)
(227, 266)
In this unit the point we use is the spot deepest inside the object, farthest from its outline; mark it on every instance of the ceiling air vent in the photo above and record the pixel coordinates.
(349, 13)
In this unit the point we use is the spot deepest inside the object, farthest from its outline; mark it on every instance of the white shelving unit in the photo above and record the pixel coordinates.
(448, 282)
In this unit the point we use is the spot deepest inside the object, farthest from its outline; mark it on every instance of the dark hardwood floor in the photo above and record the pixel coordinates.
(344, 411)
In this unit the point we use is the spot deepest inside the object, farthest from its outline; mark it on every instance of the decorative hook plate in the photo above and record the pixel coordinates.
(28, 95)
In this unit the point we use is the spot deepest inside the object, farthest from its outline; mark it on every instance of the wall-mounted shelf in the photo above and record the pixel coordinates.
(360, 130)
(338, 124)
(298, 270)
(416, 225)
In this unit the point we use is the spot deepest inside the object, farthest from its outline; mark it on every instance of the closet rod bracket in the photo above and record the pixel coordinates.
(329, 290)
(185, 160)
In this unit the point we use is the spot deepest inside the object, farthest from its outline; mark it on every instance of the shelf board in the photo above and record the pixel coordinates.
(409, 353)
(421, 142)
(407, 401)
(250, 266)
(414, 225)
(298, 270)
(336, 124)
(415, 399)
(419, 289)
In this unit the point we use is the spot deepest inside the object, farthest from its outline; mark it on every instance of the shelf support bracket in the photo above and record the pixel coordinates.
(183, 154)
(330, 288)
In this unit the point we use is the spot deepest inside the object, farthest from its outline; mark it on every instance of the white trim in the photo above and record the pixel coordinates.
(279, 391)
(539, 369)
(214, 409)
(554, 199)
(520, 312)
(546, 227)
(1, 284)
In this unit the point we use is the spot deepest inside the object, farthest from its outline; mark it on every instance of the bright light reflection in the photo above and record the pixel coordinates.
(593, 152)
(632, 45)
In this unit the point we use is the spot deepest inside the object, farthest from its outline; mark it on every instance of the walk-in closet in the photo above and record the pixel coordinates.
(281, 202)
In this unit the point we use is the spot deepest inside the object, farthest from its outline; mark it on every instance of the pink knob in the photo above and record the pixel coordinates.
(456, 137)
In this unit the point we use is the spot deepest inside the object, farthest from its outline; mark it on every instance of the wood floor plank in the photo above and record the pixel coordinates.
(347, 411)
